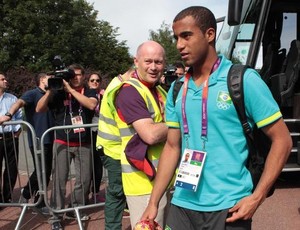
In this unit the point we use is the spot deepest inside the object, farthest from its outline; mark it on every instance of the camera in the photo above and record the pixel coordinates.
(60, 73)
(170, 75)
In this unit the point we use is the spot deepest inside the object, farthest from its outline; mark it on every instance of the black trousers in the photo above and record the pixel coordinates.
(97, 166)
(180, 218)
(9, 151)
(32, 185)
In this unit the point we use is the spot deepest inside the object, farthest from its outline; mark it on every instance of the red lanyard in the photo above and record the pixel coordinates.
(204, 103)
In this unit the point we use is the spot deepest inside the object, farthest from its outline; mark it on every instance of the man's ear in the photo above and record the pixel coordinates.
(210, 34)
(135, 61)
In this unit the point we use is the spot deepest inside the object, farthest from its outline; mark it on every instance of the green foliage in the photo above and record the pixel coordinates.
(164, 36)
(32, 32)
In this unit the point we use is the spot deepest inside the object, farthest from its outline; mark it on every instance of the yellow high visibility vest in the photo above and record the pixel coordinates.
(136, 182)
(108, 132)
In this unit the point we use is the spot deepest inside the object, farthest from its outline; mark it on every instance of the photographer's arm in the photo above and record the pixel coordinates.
(42, 105)
(88, 102)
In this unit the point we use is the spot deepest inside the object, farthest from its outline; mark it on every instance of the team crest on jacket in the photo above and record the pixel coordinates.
(223, 100)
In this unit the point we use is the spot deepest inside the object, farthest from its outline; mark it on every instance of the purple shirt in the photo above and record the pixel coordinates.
(131, 105)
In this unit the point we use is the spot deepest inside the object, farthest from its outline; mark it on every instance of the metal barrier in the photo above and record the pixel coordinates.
(25, 167)
(70, 183)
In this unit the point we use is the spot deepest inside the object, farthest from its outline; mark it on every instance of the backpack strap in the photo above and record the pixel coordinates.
(236, 92)
(176, 89)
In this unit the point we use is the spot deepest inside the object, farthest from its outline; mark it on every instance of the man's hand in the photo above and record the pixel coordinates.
(4, 119)
(150, 214)
(244, 209)
(67, 86)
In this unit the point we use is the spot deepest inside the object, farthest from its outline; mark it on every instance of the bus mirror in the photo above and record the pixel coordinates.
(234, 12)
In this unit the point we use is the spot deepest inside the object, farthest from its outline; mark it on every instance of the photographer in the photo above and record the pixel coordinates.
(40, 122)
(75, 104)
(171, 73)
(180, 69)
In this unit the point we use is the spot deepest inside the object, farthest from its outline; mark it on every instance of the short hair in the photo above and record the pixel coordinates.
(203, 17)
(38, 77)
(77, 66)
(179, 64)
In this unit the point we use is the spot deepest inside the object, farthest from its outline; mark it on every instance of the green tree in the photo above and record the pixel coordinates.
(164, 36)
(32, 32)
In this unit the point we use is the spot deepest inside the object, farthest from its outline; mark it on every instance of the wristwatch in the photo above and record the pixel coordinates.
(8, 114)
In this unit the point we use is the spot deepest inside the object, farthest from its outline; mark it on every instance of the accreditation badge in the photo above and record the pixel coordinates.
(77, 120)
(190, 168)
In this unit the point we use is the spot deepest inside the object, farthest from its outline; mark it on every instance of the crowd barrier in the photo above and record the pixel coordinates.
(26, 167)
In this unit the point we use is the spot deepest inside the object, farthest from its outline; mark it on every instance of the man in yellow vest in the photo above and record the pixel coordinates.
(139, 106)
(110, 140)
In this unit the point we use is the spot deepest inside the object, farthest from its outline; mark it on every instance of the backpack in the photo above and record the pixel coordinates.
(258, 143)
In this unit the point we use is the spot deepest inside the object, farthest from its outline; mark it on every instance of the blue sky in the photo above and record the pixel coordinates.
(136, 17)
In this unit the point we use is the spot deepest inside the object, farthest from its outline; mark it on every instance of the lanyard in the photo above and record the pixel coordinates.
(204, 103)
(70, 104)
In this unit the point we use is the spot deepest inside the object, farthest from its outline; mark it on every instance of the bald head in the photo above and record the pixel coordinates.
(150, 62)
(150, 45)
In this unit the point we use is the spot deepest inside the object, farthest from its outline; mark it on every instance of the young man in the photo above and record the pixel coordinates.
(40, 122)
(9, 142)
(222, 198)
(73, 105)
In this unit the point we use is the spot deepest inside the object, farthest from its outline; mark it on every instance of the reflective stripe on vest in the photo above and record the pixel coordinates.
(130, 169)
(107, 120)
(109, 136)
(127, 131)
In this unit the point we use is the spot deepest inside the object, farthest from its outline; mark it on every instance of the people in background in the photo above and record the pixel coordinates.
(9, 142)
(74, 104)
(40, 122)
(94, 82)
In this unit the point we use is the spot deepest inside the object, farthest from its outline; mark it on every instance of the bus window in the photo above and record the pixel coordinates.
(289, 30)
(243, 42)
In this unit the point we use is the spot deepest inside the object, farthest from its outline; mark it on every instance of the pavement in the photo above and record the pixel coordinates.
(281, 211)
(9, 217)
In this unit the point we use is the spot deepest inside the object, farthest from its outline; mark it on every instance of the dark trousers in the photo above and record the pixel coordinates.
(97, 165)
(181, 218)
(9, 151)
(115, 199)
(32, 185)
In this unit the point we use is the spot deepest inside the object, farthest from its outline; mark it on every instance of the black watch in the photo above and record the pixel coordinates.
(8, 114)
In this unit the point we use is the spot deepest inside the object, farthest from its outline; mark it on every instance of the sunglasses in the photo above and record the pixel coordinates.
(97, 80)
